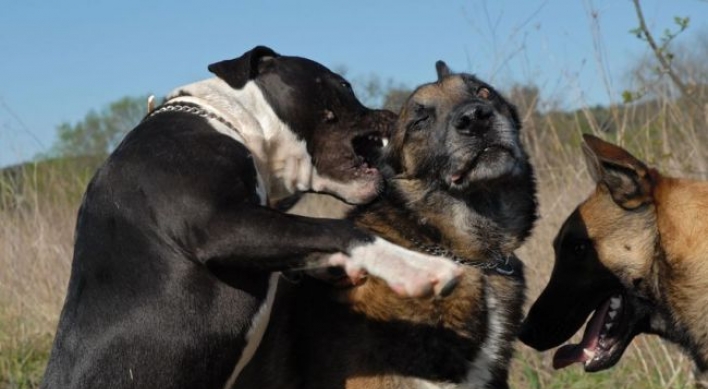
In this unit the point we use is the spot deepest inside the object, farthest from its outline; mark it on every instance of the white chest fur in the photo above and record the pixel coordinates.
(479, 373)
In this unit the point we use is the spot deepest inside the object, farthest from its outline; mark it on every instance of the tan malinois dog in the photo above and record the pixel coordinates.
(636, 253)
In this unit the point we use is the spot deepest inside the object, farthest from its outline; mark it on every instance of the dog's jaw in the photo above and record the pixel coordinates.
(292, 170)
(607, 335)
(280, 157)
(491, 163)
(490, 160)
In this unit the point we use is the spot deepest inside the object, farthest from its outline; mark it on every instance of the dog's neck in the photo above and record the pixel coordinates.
(421, 214)
(682, 229)
(281, 159)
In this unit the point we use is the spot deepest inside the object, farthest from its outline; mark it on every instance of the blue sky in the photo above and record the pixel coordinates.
(59, 59)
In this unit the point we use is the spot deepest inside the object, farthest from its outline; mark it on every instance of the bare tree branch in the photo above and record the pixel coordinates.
(660, 56)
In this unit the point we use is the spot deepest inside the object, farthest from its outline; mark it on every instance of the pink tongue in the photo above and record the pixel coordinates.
(572, 353)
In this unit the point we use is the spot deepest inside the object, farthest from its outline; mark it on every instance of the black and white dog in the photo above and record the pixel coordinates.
(177, 253)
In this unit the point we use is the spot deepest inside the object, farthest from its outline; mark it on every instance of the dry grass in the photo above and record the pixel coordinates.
(36, 233)
(37, 213)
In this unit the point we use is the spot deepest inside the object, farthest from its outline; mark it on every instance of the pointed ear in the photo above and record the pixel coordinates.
(627, 178)
(238, 71)
(442, 69)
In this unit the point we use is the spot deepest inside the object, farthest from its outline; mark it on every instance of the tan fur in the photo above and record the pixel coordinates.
(438, 211)
(682, 213)
(459, 311)
(367, 337)
(445, 94)
(677, 278)
(658, 247)
(464, 313)
(617, 231)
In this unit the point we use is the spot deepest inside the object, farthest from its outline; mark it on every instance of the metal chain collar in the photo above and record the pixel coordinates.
(500, 264)
(192, 109)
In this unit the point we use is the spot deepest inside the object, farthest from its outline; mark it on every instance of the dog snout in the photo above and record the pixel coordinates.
(471, 119)
(528, 335)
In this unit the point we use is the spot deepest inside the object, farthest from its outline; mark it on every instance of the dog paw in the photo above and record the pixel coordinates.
(408, 273)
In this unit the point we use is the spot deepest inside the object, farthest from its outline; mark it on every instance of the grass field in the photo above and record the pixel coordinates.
(38, 208)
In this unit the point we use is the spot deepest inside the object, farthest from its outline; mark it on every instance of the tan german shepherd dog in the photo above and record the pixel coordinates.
(459, 184)
(636, 253)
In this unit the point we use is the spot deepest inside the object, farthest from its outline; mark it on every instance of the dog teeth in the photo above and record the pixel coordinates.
(589, 353)
(612, 314)
(615, 302)
(608, 326)
(384, 141)
(603, 341)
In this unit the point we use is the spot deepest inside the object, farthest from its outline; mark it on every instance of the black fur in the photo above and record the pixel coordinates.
(173, 250)
(324, 338)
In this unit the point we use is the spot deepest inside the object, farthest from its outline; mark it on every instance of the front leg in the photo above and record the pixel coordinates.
(253, 237)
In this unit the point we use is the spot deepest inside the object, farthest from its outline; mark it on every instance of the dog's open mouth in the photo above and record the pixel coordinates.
(367, 148)
(607, 334)
(355, 179)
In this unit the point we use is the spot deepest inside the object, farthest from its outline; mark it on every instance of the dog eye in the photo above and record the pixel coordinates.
(346, 85)
(483, 93)
(421, 110)
(421, 115)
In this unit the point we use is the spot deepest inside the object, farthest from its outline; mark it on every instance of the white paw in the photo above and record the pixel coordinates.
(407, 272)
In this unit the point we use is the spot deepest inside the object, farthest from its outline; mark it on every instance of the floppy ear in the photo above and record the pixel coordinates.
(238, 71)
(442, 69)
(627, 178)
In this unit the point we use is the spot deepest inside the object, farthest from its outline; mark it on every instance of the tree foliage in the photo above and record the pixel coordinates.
(375, 93)
(99, 132)
(675, 70)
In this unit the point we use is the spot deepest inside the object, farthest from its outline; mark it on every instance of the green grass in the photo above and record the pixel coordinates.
(23, 353)
(55, 180)
(662, 369)
(38, 204)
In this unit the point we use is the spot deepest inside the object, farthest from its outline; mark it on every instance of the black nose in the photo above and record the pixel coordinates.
(472, 119)
(539, 336)
(527, 334)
